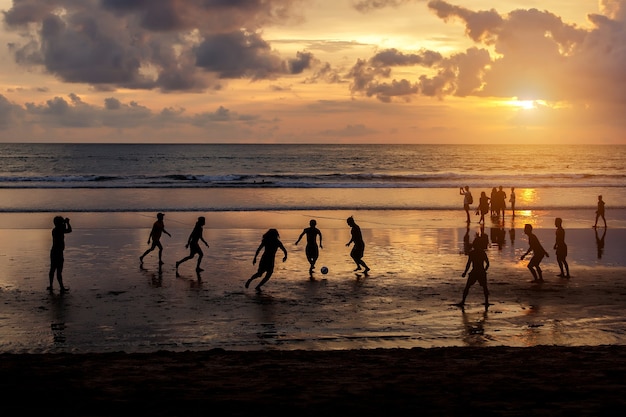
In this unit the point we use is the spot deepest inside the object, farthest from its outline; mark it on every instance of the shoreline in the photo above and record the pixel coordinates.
(503, 381)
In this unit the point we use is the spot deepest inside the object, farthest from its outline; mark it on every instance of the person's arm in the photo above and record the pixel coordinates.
(284, 251)
(68, 226)
(300, 237)
(527, 252)
(467, 265)
(257, 252)
(486, 263)
(205, 242)
(320, 233)
(167, 233)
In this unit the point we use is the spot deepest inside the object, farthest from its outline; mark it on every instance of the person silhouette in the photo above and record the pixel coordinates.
(600, 212)
(158, 228)
(512, 201)
(271, 242)
(538, 253)
(479, 261)
(194, 247)
(61, 228)
(501, 200)
(561, 248)
(467, 200)
(483, 206)
(311, 250)
(495, 210)
(359, 245)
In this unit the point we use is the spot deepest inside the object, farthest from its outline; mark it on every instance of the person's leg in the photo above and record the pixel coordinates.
(60, 274)
(539, 272)
(531, 268)
(160, 252)
(200, 256)
(264, 280)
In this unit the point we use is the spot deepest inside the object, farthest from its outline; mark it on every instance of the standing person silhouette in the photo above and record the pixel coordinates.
(501, 201)
(483, 206)
(359, 245)
(194, 246)
(467, 200)
(477, 258)
(271, 242)
(538, 253)
(512, 201)
(311, 250)
(600, 212)
(61, 228)
(158, 228)
(561, 248)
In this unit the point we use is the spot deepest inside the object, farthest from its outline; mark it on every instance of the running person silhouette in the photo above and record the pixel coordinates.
(194, 246)
(158, 228)
(359, 245)
(271, 242)
(311, 250)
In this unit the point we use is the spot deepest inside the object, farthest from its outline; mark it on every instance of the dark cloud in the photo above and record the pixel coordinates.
(160, 44)
(72, 111)
(369, 5)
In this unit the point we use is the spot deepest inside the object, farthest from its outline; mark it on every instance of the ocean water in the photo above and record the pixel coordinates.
(130, 177)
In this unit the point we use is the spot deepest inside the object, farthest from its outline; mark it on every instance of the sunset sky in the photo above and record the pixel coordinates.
(313, 71)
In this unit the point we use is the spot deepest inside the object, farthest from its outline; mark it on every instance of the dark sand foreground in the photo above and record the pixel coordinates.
(502, 381)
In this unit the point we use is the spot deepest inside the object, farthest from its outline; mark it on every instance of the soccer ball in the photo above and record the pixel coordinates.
(324, 270)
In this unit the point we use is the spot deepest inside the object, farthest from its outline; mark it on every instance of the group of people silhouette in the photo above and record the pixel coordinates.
(477, 257)
(495, 204)
(270, 243)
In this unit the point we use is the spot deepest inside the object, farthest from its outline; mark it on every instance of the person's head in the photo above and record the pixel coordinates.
(599, 198)
(528, 228)
(483, 194)
(271, 234)
(500, 188)
(160, 216)
(467, 188)
(350, 221)
(312, 223)
(512, 188)
(201, 220)
(558, 222)
(58, 221)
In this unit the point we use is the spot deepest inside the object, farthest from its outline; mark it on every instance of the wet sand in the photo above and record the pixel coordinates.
(406, 301)
(495, 381)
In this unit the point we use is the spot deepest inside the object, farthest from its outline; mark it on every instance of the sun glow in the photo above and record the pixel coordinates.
(523, 104)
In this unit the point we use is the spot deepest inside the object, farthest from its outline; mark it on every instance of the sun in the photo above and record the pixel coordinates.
(523, 104)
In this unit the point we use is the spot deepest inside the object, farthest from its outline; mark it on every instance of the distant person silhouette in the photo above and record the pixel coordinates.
(512, 201)
(600, 243)
(538, 253)
(158, 228)
(467, 200)
(479, 261)
(483, 206)
(600, 211)
(501, 200)
(271, 242)
(561, 248)
(61, 228)
(193, 244)
(359, 245)
(311, 250)
(494, 202)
